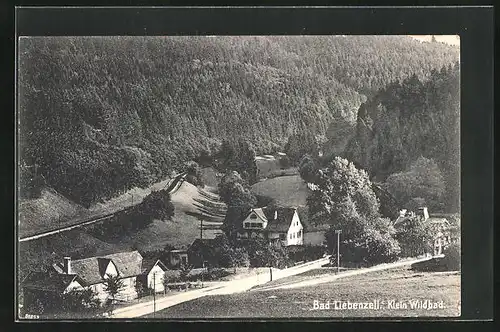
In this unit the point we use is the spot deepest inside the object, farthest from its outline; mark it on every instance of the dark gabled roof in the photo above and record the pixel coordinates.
(49, 282)
(211, 243)
(208, 245)
(91, 270)
(128, 263)
(148, 264)
(260, 213)
(88, 269)
(268, 212)
(103, 265)
(308, 226)
(282, 223)
(401, 220)
(435, 220)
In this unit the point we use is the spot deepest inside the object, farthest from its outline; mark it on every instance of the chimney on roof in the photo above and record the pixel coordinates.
(424, 213)
(67, 265)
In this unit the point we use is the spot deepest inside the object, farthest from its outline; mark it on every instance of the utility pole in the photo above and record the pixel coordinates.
(338, 231)
(202, 260)
(154, 294)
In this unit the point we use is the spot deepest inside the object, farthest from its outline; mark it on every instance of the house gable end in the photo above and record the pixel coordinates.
(74, 285)
(256, 219)
(111, 270)
(295, 232)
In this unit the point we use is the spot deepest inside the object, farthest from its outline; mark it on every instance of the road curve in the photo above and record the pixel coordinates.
(176, 182)
(223, 288)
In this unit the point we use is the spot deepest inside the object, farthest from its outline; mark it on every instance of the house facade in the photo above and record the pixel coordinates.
(280, 225)
(177, 257)
(441, 227)
(153, 274)
(93, 271)
(45, 288)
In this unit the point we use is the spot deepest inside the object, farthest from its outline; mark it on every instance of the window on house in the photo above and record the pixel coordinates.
(253, 216)
(282, 236)
(246, 225)
(184, 260)
(290, 235)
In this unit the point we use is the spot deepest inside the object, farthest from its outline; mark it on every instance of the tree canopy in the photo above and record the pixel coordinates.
(100, 115)
(236, 193)
(301, 144)
(344, 199)
(308, 168)
(238, 156)
(411, 120)
(422, 184)
(194, 175)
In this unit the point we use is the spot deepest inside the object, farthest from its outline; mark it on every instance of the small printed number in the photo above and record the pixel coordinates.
(31, 316)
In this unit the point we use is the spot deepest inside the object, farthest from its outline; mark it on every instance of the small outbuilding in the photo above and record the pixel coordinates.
(203, 253)
(153, 273)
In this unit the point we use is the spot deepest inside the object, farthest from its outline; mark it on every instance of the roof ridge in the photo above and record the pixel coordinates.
(106, 256)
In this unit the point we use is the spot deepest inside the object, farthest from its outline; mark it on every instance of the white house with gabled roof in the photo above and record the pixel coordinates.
(274, 224)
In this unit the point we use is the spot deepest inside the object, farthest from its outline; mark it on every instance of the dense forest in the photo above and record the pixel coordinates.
(99, 115)
(409, 136)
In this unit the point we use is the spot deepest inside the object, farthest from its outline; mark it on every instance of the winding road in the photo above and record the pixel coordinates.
(171, 187)
(222, 288)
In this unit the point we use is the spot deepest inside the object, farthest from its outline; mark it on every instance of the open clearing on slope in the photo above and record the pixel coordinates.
(400, 284)
(190, 204)
(52, 210)
(286, 190)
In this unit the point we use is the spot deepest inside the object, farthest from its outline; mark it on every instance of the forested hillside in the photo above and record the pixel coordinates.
(100, 115)
(411, 131)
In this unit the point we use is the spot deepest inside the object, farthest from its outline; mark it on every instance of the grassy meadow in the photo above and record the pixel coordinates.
(400, 285)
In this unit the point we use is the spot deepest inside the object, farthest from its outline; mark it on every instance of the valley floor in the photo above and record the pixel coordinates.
(392, 288)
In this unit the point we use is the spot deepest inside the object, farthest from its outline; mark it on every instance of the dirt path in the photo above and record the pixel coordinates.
(223, 288)
(329, 278)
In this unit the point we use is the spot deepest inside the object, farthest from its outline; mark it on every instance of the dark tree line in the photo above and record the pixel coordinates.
(407, 121)
(101, 115)
(155, 206)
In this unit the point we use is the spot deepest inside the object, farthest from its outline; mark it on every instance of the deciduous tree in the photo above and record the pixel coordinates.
(308, 168)
(113, 285)
(344, 199)
(234, 191)
(422, 183)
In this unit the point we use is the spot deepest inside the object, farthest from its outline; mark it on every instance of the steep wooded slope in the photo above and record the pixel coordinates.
(101, 115)
(406, 121)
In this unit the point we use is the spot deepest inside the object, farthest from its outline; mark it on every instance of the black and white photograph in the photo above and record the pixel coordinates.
(243, 176)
